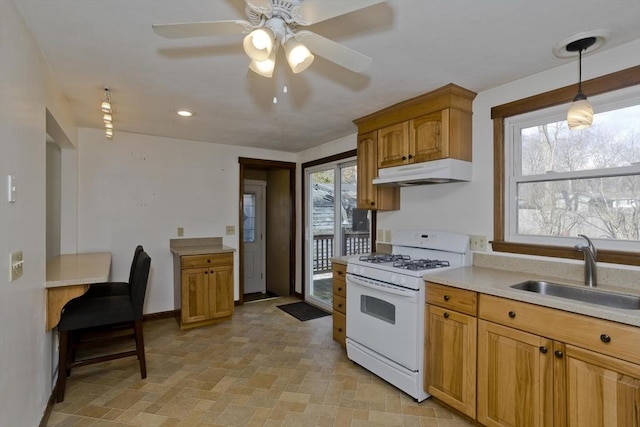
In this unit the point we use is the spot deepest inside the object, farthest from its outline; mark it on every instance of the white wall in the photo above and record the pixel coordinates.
(468, 207)
(27, 90)
(138, 189)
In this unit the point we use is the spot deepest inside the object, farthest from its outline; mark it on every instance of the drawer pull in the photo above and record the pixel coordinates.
(340, 273)
(512, 314)
(605, 338)
(208, 260)
(558, 354)
(446, 315)
(206, 272)
(446, 297)
(339, 289)
(339, 329)
(339, 305)
(543, 350)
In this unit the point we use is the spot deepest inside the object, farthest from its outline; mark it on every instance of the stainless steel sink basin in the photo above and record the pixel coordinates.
(590, 295)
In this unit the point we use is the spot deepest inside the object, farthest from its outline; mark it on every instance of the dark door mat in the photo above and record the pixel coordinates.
(303, 311)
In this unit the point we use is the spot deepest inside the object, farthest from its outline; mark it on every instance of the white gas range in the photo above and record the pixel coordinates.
(385, 304)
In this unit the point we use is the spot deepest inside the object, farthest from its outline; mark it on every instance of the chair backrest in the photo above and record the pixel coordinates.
(136, 253)
(138, 288)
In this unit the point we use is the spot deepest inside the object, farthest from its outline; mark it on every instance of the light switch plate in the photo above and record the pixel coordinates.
(11, 188)
(180, 231)
(231, 230)
(15, 268)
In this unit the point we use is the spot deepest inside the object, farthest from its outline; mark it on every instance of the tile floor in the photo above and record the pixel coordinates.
(262, 368)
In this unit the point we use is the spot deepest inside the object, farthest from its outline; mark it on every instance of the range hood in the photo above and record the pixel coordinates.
(432, 172)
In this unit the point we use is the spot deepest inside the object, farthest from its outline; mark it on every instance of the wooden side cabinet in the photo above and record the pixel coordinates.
(204, 289)
(450, 353)
(373, 197)
(339, 303)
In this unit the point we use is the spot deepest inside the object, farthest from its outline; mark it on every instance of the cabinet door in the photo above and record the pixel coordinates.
(393, 145)
(429, 137)
(221, 291)
(515, 377)
(601, 390)
(367, 170)
(451, 358)
(195, 295)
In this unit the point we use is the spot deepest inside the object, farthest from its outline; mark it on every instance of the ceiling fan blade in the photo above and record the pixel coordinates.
(314, 11)
(202, 29)
(334, 52)
(264, 7)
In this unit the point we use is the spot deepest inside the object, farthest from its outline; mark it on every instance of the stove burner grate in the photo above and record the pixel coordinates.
(420, 264)
(377, 258)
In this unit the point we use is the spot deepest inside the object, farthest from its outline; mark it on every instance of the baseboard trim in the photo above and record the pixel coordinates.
(48, 409)
(160, 315)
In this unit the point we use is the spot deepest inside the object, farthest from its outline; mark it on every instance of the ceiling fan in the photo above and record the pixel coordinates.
(272, 23)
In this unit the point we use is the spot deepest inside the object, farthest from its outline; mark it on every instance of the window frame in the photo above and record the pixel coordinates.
(499, 114)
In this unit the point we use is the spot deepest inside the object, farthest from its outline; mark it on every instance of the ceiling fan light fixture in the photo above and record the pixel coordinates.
(105, 107)
(259, 43)
(107, 118)
(298, 56)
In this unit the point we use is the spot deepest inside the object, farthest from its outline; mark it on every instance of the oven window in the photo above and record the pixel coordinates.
(378, 308)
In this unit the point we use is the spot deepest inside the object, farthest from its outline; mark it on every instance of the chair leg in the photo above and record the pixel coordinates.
(137, 328)
(63, 357)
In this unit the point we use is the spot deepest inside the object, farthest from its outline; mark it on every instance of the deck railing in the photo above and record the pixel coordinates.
(354, 242)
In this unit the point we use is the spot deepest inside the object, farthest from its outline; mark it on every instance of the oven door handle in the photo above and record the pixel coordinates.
(380, 286)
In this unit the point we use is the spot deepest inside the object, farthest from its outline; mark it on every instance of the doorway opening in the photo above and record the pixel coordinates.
(266, 229)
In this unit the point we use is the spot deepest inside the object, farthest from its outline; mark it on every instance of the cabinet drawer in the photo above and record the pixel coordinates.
(452, 298)
(339, 327)
(206, 260)
(339, 304)
(339, 283)
(603, 336)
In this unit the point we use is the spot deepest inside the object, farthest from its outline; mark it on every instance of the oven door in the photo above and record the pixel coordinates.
(384, 318)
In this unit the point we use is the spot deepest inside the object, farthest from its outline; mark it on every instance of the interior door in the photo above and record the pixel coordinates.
(253, 237)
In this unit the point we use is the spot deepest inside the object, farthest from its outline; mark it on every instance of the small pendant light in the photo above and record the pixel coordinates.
(580, 114)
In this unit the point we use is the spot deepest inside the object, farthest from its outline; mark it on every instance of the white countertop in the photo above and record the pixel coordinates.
(78, 269)
(496, 282)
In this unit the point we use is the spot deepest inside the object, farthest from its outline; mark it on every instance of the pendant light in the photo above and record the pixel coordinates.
(580, 114)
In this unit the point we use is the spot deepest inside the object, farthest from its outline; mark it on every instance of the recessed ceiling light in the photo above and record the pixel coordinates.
(184, 113)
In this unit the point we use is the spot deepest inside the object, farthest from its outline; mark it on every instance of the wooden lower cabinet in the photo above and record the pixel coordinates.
(205, 289)
(450, 358)
(536, 366)
(339, 303)
(515, 377)
(450, 353)
(601, 390)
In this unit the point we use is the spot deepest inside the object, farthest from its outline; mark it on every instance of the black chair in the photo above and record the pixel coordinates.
(104, 289)
(106, 318)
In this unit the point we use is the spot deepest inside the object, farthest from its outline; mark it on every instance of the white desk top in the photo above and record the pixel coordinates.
(78, 269)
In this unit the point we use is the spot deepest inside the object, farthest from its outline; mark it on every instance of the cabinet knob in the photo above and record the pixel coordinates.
(208, 260)
(340, 273)
(543, 350)
(559, 354)
(373, 203)
(339, 289)
(212, 271)
(410, 156)
(446, 297)
(206, 272)
(339, 305)
(512, 314)
(404, 157)
(446, 315)
(339, 329)
(605, 338)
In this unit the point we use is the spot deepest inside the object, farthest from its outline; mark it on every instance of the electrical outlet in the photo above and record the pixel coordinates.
(180, 231)
(387, 236)
(478, 243)
(16, 264)
(231, 230)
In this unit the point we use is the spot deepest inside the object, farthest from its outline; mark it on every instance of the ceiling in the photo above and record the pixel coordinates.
(416, 46)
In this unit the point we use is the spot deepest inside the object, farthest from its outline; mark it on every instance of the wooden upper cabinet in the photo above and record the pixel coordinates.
(393, 145)
(436, 125)
(372, 197)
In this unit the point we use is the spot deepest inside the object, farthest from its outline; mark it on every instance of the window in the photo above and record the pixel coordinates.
(553, 184)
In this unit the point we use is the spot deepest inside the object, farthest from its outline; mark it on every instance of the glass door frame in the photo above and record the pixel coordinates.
(336, 163)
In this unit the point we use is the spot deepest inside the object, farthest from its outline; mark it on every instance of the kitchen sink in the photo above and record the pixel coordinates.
(590, 295)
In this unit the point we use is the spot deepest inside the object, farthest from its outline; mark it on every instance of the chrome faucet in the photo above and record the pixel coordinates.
(590, 254)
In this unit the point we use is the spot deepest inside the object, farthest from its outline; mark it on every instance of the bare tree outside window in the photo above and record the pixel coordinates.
(580, 182)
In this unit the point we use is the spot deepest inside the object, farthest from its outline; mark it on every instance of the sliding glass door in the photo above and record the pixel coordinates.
(333, 225)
